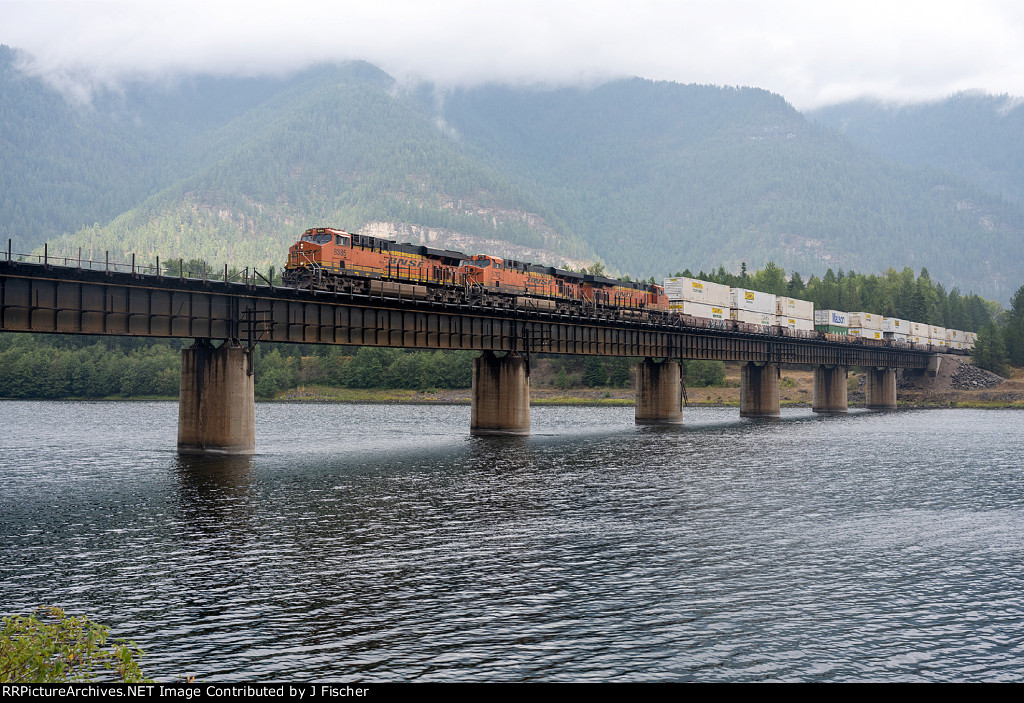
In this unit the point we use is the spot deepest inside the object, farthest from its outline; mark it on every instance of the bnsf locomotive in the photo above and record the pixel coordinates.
(334, 260)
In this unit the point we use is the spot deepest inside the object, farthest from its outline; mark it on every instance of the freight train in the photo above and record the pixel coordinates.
(329, 259)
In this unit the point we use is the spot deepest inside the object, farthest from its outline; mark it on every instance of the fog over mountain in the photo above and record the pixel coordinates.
(650, 177)
(813, 53)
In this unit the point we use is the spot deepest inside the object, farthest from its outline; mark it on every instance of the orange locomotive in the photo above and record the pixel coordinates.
(332, 259)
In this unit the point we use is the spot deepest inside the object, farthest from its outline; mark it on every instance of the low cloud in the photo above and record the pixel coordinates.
(812, 53)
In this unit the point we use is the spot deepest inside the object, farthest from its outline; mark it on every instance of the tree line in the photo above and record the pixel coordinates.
(61, 367)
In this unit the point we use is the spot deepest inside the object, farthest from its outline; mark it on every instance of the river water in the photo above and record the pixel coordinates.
(383, 543)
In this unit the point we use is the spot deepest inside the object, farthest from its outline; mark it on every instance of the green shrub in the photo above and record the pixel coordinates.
(50, 647)
(702, 374)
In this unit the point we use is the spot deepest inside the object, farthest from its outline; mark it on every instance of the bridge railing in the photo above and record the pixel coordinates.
(247, 276)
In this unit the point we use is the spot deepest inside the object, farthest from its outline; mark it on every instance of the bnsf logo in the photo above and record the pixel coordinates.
(749, 295)
(697, 286)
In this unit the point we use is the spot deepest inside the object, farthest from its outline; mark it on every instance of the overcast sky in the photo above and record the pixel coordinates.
(812, 53)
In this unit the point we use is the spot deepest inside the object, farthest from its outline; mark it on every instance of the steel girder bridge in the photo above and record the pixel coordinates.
(69, 296)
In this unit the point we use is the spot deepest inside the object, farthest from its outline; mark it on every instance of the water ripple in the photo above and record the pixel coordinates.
(876, 547)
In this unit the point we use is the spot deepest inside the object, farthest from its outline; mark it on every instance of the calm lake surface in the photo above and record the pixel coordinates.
(383, 543)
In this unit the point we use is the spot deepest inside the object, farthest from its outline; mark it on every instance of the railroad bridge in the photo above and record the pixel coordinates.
(216, 403)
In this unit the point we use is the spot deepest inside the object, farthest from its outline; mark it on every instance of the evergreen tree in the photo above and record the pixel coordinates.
(594, 372)
(1013, 333)
(989, 351)
(795, 288)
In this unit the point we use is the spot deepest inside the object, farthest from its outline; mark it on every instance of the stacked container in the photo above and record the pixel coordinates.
(957, 339)
(896, 329)
(937, 336)
(866, 333)
(794, 314)
(833, 321)
(865, 325)
(752, 306)
(918, 333)
(698, 298)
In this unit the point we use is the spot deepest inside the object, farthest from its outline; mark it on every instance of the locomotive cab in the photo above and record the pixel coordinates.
(319, 248)
(322, 236)
(484, 270)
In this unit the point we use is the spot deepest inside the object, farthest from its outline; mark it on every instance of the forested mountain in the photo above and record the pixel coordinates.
(67, 164)
(334, 148)
(693, 176)
(649, 177)
(977, 137)
(330, 146)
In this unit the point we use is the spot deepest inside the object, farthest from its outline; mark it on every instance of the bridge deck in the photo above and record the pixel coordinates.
(71, 300)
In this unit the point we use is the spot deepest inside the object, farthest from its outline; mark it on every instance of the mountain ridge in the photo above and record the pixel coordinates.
(649, 177)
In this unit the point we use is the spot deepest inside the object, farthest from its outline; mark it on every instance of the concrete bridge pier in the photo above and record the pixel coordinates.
(659, 394)
(880, 391)
(759, 390)
(501, 395)
(830, 389)
(216, 405)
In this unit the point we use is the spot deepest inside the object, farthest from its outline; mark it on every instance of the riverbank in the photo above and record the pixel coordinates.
(796, 389)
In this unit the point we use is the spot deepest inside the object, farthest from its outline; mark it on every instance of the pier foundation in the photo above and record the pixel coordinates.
(216, 403)
(759, 390)
(880, 390)
(659, 393)
(830, 389)
(501, 395)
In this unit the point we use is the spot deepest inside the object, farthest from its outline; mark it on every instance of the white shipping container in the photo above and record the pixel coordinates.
(919, 329)
(794, 323)
(834, 318)
(791, 307)
(899, 337)
(752, 300)
(695, 291)
(866, 320)
(865, 333)
(752, 318)
(956, 335)
(710, 312)
(937, 332)
(914, 339)
(894, 324)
